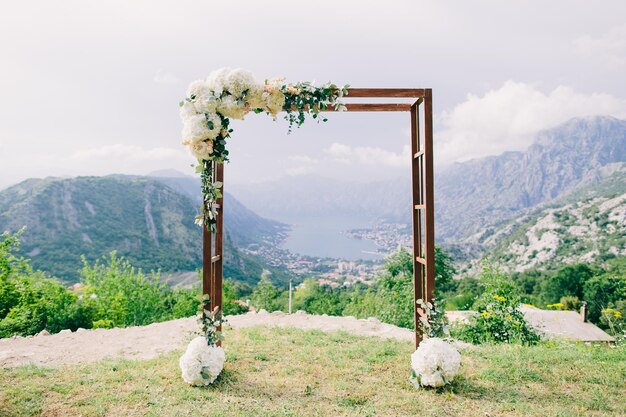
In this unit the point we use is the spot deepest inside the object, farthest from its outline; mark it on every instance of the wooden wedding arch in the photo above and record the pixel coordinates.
(420, 108)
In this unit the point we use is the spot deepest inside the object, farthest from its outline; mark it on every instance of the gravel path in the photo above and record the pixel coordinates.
(145, 342)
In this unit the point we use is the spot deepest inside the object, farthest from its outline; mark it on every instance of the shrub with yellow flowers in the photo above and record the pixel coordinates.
(613, 320)
(498, 318)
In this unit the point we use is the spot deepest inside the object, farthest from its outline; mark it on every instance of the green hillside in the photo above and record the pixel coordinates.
(143, 219)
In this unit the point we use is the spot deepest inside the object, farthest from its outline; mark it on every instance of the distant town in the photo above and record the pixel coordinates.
(332, 271)
(387, 236)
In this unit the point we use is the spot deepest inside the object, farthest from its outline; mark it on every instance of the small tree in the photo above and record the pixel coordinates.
(266, 296)
(602, 292)
(568, 281)
(391, 298)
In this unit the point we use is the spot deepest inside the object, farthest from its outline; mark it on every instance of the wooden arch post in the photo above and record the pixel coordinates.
(420, 108)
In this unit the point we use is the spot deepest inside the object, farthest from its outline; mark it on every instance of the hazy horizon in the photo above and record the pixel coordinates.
(174, 172)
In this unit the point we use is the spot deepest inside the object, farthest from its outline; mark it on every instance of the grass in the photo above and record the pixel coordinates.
(289, 372)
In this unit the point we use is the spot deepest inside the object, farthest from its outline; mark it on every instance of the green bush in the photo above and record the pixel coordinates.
(232, 294)
(102, 324)
(119, 293)
(31, 302)
(319, 299)
(395, 290)
(390, 299)
(267, 297)
(114, 294)
(467, 292)
(570, 303)
(498, 318)
(362, 302)
(43, 303)
(182, 303)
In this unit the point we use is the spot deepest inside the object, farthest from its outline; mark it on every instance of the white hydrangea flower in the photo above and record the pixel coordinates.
(196, 128)
(217, 79)
(229, 108)
(201, 150)
(187, 110)
(198, 88)
(201, 364)
(274, 101)
(206, 104)
(256, 98)
(239, 80)
(435, 362)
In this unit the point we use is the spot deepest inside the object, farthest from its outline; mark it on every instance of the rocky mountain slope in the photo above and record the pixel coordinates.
(586, 226)
(143, 219)
(474, 194)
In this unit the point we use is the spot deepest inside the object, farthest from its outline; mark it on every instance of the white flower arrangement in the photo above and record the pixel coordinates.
(232, 94)
(435, 363)
(203, 360)
(201, 364)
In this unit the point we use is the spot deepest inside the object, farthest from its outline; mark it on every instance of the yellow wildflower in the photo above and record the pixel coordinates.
(611, 311)
(499, 298)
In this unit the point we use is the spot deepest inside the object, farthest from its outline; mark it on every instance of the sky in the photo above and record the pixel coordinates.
(92, 88)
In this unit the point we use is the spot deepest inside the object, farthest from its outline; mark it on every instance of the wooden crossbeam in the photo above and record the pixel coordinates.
(386, 92)
(352, 107)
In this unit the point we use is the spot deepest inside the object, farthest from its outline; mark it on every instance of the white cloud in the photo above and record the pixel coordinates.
(164, 77)
(306, 165)
(609, 48)
(368, 155)
(303, 159)
(301, 170)
(507, 118)
(128, 152)
(339, 150)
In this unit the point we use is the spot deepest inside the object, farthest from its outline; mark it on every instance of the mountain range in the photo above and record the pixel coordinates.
(147, 220)
(524, 208)
(469, 196)
(578, 153)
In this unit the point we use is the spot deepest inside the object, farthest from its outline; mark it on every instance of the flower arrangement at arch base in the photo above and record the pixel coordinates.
(203, 360)
(436, 362)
